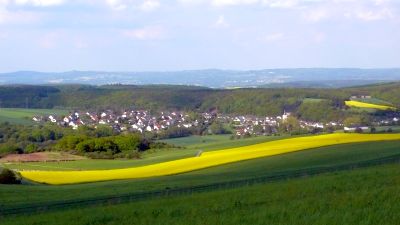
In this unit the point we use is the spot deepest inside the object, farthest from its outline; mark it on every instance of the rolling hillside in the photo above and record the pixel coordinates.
(12, 196)
(205, 160)
(237, 101)
(366, 196)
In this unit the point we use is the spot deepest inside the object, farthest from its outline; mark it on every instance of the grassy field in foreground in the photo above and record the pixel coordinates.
(205, 160)
(365, 196)
(192, 146)
(22, 195)
(218, 142)
(24, 116)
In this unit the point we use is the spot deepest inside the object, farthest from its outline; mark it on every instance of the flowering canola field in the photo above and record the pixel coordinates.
(368, 105)
(207, 159)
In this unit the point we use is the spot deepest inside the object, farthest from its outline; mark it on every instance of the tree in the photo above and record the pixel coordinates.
(330, 129)
(128, 142)
(69, 142)
(354, 120)
(373, 130)
(30, 148)
(37, 136)
(358, 130)
(218, 128)
(291, 124)
(104, 131)
(258, 129)
(8, 177)
(8, 148)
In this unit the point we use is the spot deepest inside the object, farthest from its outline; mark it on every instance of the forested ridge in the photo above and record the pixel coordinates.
(255, 101)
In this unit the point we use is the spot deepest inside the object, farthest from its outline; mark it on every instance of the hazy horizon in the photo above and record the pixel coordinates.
(176, 35)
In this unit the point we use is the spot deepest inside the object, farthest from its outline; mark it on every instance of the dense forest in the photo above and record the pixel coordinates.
(255, 101)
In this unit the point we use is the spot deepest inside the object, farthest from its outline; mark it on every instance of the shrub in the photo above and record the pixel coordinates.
(9, 148)
(358, 130)
(9, 177)
(31, 148)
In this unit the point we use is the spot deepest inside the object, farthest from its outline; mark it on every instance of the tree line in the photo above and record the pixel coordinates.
(102, 142)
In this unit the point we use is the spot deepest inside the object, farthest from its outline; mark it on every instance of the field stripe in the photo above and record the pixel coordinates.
(207, 159)
(368, 105)
(132, 197)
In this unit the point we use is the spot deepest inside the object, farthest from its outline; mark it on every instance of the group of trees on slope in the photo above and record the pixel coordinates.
(102, 142)
(252, 101)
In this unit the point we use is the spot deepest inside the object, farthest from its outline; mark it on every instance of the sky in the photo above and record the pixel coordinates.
(165, 35)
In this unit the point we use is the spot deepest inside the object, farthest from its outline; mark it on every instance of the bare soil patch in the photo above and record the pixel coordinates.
(41, 157)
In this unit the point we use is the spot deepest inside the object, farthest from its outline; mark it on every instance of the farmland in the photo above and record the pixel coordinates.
(358, 104)
(191, 146)
(207, 159)
(20, 195)
(24, 116)
(15, 196)
(367, 196)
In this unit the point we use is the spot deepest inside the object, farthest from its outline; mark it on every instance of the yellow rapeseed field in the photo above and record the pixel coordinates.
(207, 159)
(368, 105)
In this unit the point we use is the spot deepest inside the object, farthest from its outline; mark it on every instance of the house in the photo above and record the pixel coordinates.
(52, 119)
(360, 96)
(286, 115)
(73, 125)
(350, 129)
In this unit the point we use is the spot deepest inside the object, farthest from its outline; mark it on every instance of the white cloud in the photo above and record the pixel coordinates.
(316, 15)
(146, 33)
(372, 15)
(282, 3)
(191, 2)
(221, 22)
(18, 17)
(265, 3)
(42, 3)
(116, 4)
(149, 5)
(273, 37)
(233, 2)
(143, 5)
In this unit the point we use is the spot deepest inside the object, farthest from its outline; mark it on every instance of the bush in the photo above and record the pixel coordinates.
(162, 145)
(8, 177)
(373, 130)
(31, 148)
(70, 142)
(358, 130)
(128, 155)
(100, 155)
(9, 148)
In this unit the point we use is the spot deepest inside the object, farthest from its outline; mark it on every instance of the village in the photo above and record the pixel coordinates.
(240, 125)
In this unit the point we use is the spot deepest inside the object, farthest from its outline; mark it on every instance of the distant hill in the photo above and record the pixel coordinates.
(312, 77)
(254, 101)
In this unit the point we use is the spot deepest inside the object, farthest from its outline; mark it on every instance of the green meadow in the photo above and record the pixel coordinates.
(366, 196)
(21, 195)
(24, 116)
